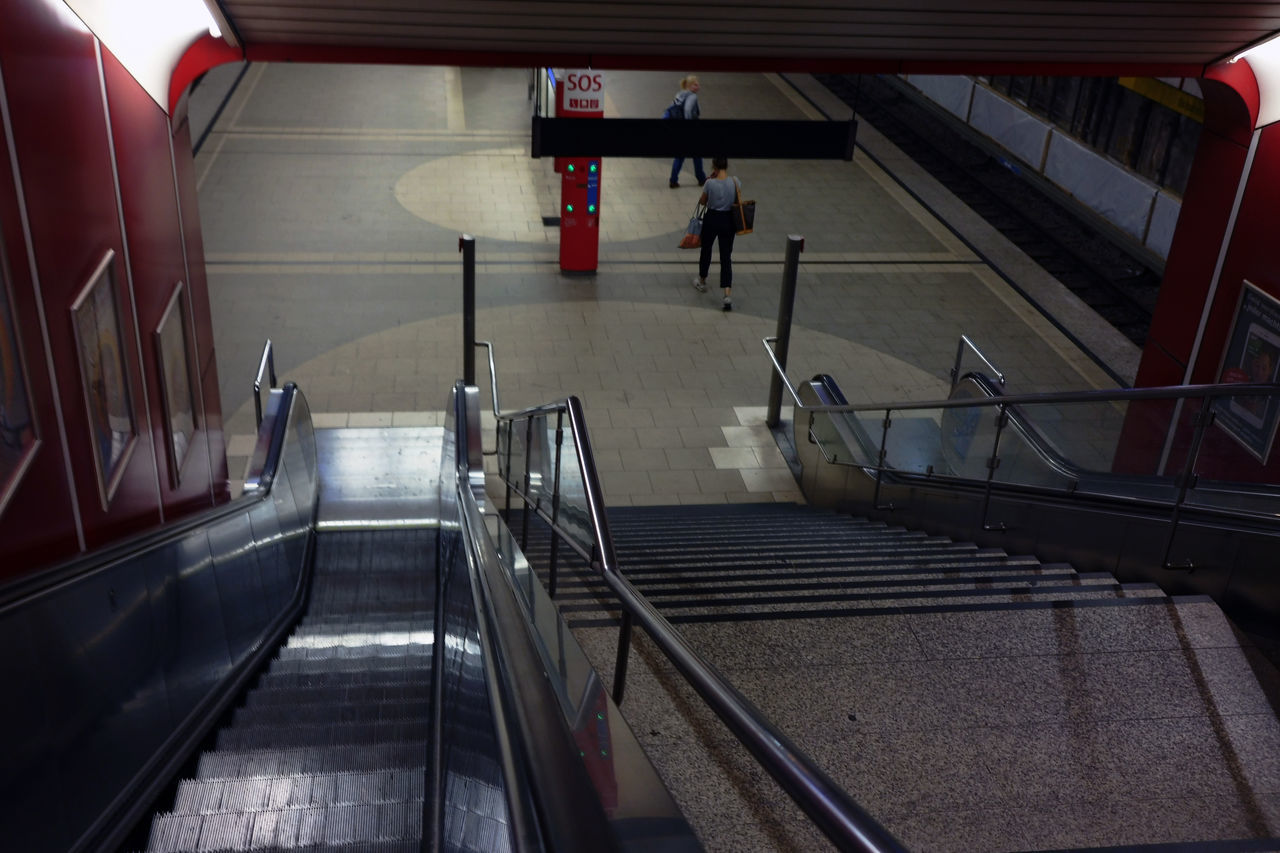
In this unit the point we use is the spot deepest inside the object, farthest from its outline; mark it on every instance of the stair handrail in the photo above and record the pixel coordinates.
(1183, 482)
(967, 343)
(1162, 392)
(831, 809)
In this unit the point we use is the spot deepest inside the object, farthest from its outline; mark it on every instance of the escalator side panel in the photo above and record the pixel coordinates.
(100, 674)
(239, 577)
(475, 809)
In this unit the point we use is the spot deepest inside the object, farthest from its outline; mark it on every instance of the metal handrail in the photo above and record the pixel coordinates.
(1164, 392)
(831, 809)
(967, 343)
(1003, 403)
(267, 366)
(536, 750)
(493, 375)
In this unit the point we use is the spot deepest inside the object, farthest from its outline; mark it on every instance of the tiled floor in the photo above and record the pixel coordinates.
(331, 204)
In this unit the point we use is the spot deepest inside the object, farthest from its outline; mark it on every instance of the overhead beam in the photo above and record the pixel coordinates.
(740, 138)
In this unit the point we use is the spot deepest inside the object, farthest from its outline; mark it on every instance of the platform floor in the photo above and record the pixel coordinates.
(332, 199)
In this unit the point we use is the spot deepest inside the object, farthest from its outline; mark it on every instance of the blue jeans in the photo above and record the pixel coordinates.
(697, 170)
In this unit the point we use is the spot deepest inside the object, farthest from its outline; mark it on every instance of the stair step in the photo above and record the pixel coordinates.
(746, 604)
(775, 584)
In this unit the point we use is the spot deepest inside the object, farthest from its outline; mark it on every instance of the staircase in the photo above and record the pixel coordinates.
(969, 699)
(329, 750)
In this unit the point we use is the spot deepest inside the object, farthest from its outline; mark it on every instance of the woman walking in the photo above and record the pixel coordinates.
(721, 191)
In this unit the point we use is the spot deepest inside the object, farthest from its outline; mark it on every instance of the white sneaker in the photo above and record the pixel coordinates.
(699, 285)
(728, 304)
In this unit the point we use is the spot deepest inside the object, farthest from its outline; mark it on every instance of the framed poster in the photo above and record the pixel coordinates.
(18, 437)
(175, 382)
(1253, 355)
(95, 317)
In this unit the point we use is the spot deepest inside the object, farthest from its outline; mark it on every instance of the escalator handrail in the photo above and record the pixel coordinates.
(1163, 392)
(541, 762)
(264, 466)
(827, 805)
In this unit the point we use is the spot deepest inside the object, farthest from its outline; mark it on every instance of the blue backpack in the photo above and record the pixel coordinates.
(676, 110)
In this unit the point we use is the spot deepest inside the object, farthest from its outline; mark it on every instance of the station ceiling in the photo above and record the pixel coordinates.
(1154, 37)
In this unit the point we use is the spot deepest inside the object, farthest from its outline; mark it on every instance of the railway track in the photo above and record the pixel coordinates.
(1120, 287)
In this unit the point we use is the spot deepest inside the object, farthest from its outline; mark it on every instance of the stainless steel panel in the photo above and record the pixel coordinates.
(32, 730)
(286, 511)
(277, 573)
(244, 605)
(103, 697)
(385, 477)
(186, 603)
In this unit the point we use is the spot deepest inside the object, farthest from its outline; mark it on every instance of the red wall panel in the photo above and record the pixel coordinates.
(1251, 254)
(152, 231)
(60, 100)
(37, 525)
(60, 136)
(202, 315)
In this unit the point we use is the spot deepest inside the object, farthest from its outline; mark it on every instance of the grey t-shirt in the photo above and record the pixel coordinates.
(722, 192)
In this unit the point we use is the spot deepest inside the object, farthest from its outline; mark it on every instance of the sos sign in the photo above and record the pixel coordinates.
(582, 93)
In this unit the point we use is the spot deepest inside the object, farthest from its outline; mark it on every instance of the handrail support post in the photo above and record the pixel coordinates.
(467, 246)
(1002, 418)
(1185, 481)
(786, 304)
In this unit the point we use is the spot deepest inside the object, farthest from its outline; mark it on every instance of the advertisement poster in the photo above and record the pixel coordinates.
(175, 386)
(96, 321)
(1253, 355)
(17, 429)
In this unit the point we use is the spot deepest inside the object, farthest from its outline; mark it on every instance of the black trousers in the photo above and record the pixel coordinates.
(717, 225)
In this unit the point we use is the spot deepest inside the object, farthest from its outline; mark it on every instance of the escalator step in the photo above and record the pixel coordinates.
(300, 649)
(384, 828)
(345, 679)
(299, 735)
(296, 760)
(262, 793)
(422, 663)
(356, 623)
(328, 710)
(264, 695)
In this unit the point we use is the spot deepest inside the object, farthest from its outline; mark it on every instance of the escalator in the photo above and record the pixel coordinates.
(331, 746)
(336, 661)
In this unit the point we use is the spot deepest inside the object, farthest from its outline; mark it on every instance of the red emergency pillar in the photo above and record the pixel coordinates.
(580, 214)
(580, 94)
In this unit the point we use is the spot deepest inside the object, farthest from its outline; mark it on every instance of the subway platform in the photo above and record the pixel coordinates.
(332, 200)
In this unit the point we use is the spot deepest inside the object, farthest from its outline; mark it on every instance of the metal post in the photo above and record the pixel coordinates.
(467, 246)
(555, 504)
(528, 490)
(624, 652)
(1186, 480)
(884, 446)
(1002, 420)
(786, 302)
